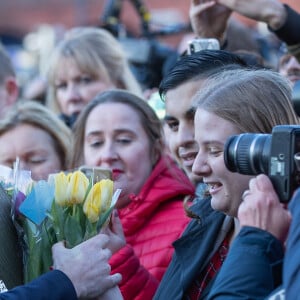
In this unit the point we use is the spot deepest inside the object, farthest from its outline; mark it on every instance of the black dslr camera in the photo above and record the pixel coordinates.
(277, 155)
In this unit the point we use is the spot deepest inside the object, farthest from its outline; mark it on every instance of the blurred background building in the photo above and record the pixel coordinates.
(30, 28)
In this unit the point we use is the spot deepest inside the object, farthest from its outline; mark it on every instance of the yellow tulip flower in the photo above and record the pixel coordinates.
(98, 199)
(61, 182)
(77, 187)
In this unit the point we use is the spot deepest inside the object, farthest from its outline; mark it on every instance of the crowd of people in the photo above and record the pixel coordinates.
(184, 226)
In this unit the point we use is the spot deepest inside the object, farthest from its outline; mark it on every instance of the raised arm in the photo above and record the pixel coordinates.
(280, 18)
(209, 19)
(271, 12)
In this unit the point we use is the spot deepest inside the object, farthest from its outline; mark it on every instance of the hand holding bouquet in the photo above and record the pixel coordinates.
(68, 207)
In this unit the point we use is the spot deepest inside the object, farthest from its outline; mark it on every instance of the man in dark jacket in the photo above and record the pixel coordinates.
(196, 247)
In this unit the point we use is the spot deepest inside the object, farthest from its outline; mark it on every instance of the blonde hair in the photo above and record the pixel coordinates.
(96, 52)
(254, 100)
(37, 115)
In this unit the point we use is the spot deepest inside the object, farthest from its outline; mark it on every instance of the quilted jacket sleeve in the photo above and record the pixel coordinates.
(137, 283)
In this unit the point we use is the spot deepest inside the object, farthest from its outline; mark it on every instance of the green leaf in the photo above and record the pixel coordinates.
(48, 238)
(80, 216)
(90, 230)
(33, 265)
(73, 231)
(56, 219)
(103, 218)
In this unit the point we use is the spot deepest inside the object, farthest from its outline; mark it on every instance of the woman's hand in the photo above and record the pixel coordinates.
(261, 208)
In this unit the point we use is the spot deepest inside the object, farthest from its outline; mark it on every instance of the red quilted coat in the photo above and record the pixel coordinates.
(152, 221)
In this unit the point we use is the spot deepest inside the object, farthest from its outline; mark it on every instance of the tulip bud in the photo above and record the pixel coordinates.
(77, 187)
(107, 188)
(61, 182)
(98, 199)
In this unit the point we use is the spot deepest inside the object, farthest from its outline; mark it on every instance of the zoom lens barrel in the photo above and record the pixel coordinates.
(248, 153)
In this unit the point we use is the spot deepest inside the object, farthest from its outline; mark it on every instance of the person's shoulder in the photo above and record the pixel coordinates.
(204, 217)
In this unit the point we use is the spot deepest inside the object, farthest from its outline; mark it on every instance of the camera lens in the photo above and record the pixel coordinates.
(248, 153)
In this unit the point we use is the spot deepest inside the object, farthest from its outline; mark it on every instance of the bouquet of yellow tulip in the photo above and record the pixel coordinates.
(69, 207)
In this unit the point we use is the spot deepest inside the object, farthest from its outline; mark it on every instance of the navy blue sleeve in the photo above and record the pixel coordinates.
(248, 270)
(289, 32)
(291, 266)
(51, 285)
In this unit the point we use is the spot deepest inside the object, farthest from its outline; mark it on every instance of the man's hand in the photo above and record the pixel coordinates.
(261, 208)
(87, 266)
